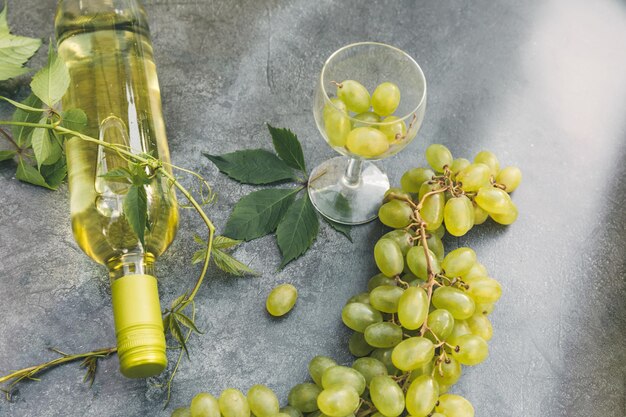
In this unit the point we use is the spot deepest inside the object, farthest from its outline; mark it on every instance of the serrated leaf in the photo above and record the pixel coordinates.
(54, 174)
(6, 155)
(252, 166)
(178, 301)
(288, 147)
(14, 50)
(74, 119)
(223, 242)
(187, 322)
(259, 213)
(29, 174)
(344, 229)
(198, 256)
(298, 229)
(178, 335)
(51, 82)
(23, 106)
(21, 134)
(166, 321)
(231, 265)
(136, 210)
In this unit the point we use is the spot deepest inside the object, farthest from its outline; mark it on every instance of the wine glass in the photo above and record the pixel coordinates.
(350, 190)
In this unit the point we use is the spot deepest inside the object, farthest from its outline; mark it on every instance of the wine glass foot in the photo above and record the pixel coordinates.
(341, 201)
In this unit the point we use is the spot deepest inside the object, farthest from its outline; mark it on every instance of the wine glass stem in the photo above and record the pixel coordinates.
(352, 177)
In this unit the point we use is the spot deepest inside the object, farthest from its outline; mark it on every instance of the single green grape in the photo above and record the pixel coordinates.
(233, 403)
(483, 289)
(480, 325)
(480, 215)
(383, 335)
(387, 396)
(441, 323)
(473, 177)
(506, 218)
(478, 270)
(510, 177)
(402, 238)
(448, 372)
(459, 329)
(281, 300)
(358, 316)
(421, 396)
(181, 412)
(384, 355)
(386, 98)
(438, 157)
(451, 405)
(438, 414)
(304, 397)
(412, 353)
(396, 214)
(358, 346)
(291, 411)
(338, 401)
(336, 122)
(493, 200)
(385, 298)
(489, 159)
(335, 105)
(432, 207)
(388, 256)
(457, 302)
(355, 95)
(436, 246)
(470, 349)
(343, 376)
(458, 215)
(263, 402)
(369, 368)
(425, 369)
(367, 142)
(458, 262)
(413, 179)
(485, 308)
(204, 405)
(416, 261)
(378, 280)
(412, 308)
(366, 119)
(318, 365)
(393, 127)
(395, 191)
(440, 232)
(363, 297)
(458, 164)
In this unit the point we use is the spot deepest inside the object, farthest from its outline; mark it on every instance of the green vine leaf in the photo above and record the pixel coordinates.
(14, 50)
(223, 242)
(136, 210)
(118, 175)
(259, 213)
(177, 334)
(22, 134)
(252, 166)
(6, 155)
(51, 82)
(344, 229)
(288, 147)
(298, 229)
(222, 259)
(186, 321)
(22, 106)
(29, 174)
(42, 145)
(54, 174)
(74, 119)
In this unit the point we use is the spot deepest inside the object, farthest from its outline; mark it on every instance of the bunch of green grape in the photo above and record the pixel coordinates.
(364, 125)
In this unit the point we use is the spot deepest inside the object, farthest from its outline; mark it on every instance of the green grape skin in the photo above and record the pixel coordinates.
(448, 372)
(367, 142)
(510, 177)
(338, 401)
(483, 289)
(489, 159)
(436, 246)
(425, 369)
(204, 405)
(438, 414)
(432, 207)
(441, 323)
(291, 411)
(506, 218)
(459, 329)
(413, 179)
(440, 232)
(458, 215)
(413, 308)
(485, 308)
(343, 376)
(480, 215)
(493, 200)
(181, 412)
(358, 316)
(478, 270)
(457, 302)
(438, 157)
(458, 262)
(387, 396)
(304, 397)
(363, 297)
(384, 355)
(471, 350)
(354, 95)
(473, 177)
(335, 106)
(388, 257)
(383, 335)
(369, 368)
(318, 365)
(358, 346)
(263, 402)
(378, 280)
(337, 125)
(458, 164)
(451, 405)
(395, 213)
(393, 128)
(412, 353)
(416, 261)
(385, 298)
(281, 300)
(480, 325)
(233, 403)
(391, 193)
(421, 396)
(366, 119)
(386, 98)
(402, 238)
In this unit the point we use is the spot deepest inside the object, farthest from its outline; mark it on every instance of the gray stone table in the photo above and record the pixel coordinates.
(540, 83)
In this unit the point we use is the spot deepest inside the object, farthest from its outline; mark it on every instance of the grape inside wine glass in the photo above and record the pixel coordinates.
(369, 104)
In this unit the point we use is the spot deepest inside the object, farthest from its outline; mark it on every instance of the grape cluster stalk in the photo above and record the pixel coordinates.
(423, 317)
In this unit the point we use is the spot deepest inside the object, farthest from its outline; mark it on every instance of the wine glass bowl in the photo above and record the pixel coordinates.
(369, 104)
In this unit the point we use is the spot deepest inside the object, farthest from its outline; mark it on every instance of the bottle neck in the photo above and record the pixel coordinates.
(131, 264)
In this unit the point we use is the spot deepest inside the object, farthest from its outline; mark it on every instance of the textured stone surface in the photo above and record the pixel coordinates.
(540, 83)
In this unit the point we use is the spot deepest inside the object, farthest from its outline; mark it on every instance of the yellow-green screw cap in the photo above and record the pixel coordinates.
(138, 326)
